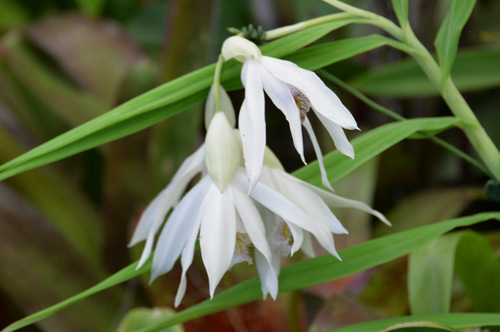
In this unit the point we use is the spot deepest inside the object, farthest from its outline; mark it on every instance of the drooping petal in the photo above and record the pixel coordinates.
(187, 259)
(181, 223)
(339, 138)
(252, 122)
(217, 234)
(289, 211)
(335, 201)
(307, 245)
(252, 221)
(319, 154)
(268, 275)
(322, 99)
(239, 48)
(152, 218)
(304, 198)
(282, 97)
(222, 151)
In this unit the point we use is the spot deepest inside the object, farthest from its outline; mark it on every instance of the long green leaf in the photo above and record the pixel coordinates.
(371, 144)
(474, 69)
(455, 320)
(401, 10)
(430, 276)
(166, 99)
(297, 276)
(446, 42)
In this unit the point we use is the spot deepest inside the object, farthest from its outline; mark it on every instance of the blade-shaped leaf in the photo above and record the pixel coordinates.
(297, 276)
(455, 320)
(401, 10)
(371, 144)
(449, 33)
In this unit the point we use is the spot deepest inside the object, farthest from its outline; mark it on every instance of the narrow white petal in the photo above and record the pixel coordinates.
(339, 138)
(307, 245)
(319, 154)
(252, 122)
(322, 99)
(298, 238)
(181, 223)
(282, 97)
(217, 234)
(187, 259)
(335, 201)
(267, 274)
(154, 214)
(252, 222)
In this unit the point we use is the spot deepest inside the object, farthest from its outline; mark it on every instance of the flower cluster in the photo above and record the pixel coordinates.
(245, 205)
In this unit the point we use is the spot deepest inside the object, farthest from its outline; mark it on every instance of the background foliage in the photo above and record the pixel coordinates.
(64, 227)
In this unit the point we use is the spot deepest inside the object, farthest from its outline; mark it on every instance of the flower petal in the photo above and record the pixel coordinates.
(251, 219)
(339, 138)
(322, 99)
(226, 105)
(217, 234)
(267, 273)
(252, 122)
(319, 154)
(186, 260)
(181, 223)
(239, 48)
(335, 201)
(282, 97)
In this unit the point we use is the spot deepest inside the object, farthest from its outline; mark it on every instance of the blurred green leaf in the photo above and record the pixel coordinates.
(12, 14)
(370, 145)
(300, 275)
(431, 273)
(41, 267)
(91, 7)
(72, 40)
(420, 327)
(446, 42)
(454, 320)
(401, 10)
(139, 318)
(475, 69)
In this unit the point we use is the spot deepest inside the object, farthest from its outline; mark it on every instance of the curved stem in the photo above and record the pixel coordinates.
(216, 84)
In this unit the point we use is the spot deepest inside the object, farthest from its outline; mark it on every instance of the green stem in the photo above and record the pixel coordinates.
(289, 29)
(471, 126)
(358, 94)
(218, 70)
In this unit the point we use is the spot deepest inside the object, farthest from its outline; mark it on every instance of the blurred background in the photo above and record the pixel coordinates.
(65, 227)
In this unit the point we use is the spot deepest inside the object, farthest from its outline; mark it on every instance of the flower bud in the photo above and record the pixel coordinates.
(225, 103)
(222, 153)
(239, 48)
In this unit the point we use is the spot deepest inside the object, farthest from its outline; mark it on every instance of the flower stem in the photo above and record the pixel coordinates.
(470, 125)
(217, 73)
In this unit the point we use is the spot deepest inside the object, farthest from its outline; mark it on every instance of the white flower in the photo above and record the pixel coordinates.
(293, 90)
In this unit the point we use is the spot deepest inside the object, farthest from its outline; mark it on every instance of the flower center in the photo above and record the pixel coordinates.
(241, 254)
(302, 102)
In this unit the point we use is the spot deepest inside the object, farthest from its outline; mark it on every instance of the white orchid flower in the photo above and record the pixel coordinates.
(294, 91)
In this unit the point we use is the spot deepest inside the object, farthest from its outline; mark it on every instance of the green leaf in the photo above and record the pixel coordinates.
(401, 10)
(12, 14)
(297, 276)
(475, 69)
(123, 275)
(454, 320)
(430, 276)
(91, 7)
(370, 145)
(139, 318)
(446, 42)
(147, 109)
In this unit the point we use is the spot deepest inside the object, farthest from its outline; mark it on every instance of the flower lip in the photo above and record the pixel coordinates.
(239, 48)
